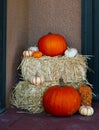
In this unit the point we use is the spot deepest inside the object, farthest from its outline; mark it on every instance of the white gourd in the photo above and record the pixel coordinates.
(33, 48)
(86, 110)
(71, 52)
(27, 53)
(37, 80)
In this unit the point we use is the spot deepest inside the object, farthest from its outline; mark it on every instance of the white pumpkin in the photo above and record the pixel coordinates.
(86, 110)
(27, 53)
(33, 48)
(71, 52)
(37, 80)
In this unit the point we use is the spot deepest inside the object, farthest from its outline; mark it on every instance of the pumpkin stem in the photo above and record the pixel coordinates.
(61, 82)
(49, 33)
(37, 75)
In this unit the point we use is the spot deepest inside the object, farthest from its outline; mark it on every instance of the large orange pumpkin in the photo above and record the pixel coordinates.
(61, 101)
(52, 44)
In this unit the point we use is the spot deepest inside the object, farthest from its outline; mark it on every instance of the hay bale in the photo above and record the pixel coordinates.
(28, 97)
(52, 68)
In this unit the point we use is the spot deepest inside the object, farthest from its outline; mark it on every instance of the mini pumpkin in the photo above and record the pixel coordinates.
(37, 80)
(61, 100)
(37, 54)
(86, 110)
(27, 53)
(71, 52)
(52, 44)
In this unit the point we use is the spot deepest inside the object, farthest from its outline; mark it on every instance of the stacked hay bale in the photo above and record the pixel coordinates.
(28, 93)
(52, 68)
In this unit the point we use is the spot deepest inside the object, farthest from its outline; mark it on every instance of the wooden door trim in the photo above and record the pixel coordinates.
(2, 54)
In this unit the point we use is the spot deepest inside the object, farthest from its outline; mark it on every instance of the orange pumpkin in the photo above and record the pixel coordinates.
(61, 101)
(52, 44)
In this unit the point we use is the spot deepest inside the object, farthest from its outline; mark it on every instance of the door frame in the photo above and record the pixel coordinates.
(86, 27)
(87, 32)
(2, 54)
(87, 38)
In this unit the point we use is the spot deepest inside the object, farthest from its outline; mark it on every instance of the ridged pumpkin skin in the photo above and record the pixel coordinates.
(52, 44)
(60, 101)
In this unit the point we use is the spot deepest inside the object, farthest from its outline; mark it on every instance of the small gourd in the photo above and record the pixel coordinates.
(37, 54)
(37, 80)
(71, 52)
(86, 110)
(86, 95)
(27, 53)
(33, 48)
